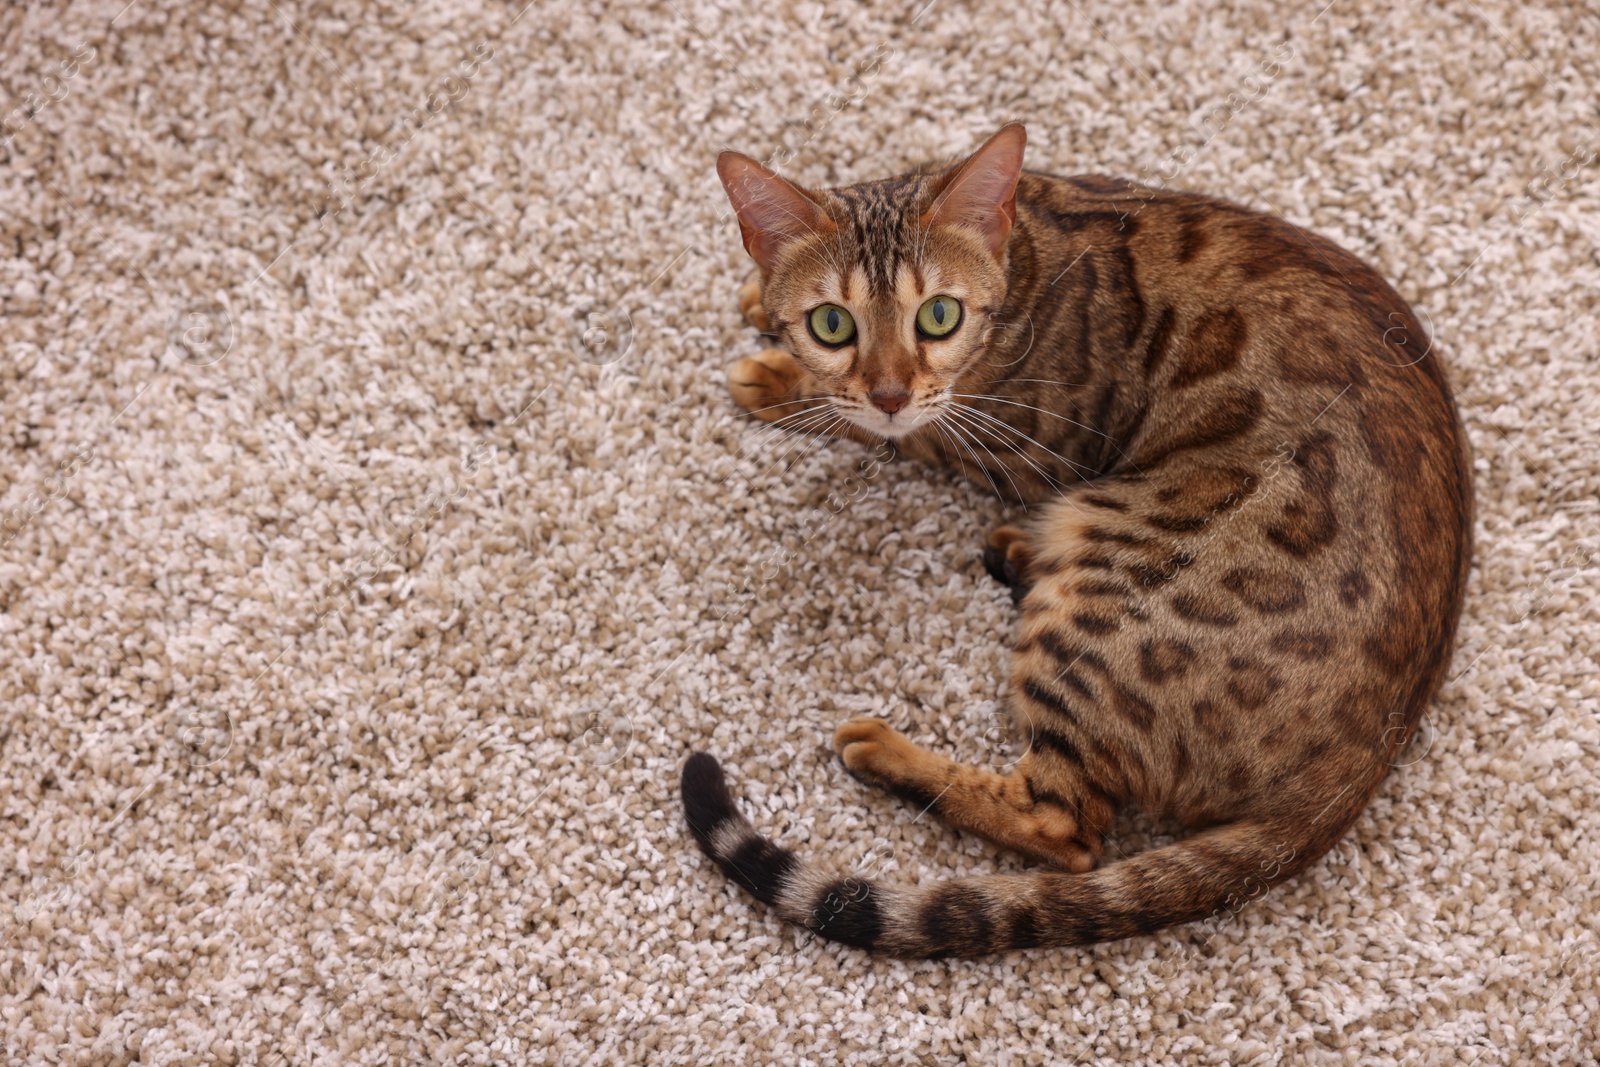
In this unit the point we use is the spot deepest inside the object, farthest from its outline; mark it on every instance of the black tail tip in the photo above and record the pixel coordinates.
(707, 804)
(752, 861)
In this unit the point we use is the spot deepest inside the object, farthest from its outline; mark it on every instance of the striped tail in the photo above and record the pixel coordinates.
(1215, 872)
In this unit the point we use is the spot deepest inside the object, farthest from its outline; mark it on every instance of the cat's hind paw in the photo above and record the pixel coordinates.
(876, 753)
(1006, 557)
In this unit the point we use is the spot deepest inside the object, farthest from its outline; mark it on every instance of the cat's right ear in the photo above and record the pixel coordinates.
(981, 193)
(772, 210)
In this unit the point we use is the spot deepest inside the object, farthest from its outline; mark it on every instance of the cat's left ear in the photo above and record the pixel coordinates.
(772, 210)
(981, 193)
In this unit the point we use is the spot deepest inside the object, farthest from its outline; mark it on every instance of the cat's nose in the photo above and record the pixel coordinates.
(889, 401)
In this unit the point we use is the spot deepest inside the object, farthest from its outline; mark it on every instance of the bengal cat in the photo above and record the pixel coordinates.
(1242, 564)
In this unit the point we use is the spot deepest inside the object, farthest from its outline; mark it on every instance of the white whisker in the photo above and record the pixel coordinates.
(998, 462)
(775, 432)
(959, 435)
(973, 428)
(823, 435)
(776, 429)
(1039, 381)
(1014, 449)
(1030, 407)
(1046, 475)
(804, 426)
(786, 403)
(1077, 468)
(945, 436)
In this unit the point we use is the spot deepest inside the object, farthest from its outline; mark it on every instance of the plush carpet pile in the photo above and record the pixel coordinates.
(377, 536)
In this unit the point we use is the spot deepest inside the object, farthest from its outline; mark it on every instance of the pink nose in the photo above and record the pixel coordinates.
(889, 401)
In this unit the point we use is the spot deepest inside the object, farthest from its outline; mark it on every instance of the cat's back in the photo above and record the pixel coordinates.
(1213, 250)
(1252, 354)
(1218, 299)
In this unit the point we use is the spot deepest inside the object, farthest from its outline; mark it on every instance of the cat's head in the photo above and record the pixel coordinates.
(884, 291)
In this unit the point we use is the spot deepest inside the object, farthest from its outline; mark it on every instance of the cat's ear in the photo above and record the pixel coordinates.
(772, 210)
(981, 193)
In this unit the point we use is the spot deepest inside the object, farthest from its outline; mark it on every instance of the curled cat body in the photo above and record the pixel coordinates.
(1248, 529)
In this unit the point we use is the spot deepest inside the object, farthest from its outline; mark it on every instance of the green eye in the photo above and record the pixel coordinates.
(939, 316)
(832, 325)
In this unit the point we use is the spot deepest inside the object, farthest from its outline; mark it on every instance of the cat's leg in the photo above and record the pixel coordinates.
(1047, 805)
(772, 386)
(750, 306)
(1042, 808)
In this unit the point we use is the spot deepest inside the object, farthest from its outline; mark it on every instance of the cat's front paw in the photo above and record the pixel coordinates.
(750, 306)
(767, 384)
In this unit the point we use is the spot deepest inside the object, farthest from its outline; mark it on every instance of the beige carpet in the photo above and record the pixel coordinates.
(373, 520)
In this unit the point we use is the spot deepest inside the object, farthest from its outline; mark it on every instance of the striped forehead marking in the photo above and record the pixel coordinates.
(884, 228)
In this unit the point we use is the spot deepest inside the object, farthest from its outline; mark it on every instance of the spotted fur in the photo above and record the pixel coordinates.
(1242, 565)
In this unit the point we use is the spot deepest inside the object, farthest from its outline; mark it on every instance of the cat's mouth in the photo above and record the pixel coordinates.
(908, 419)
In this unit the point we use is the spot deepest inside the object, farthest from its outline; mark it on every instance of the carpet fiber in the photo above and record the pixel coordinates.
(377, 536)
